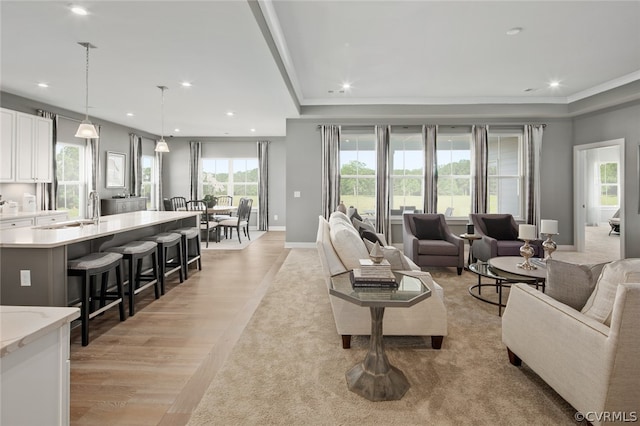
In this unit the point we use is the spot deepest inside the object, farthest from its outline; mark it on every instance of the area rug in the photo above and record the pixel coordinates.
(288, 366)
(232, 243)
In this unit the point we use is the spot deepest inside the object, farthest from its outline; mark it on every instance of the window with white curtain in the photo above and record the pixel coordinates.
(406, 154)
(505, 173)
(237, 177)
(148, 185)
(454, 173)
(608, 183)
(70, 173)
(358, 169)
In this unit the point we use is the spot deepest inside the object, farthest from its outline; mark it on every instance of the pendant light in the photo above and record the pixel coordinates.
(161, 145)
(86, 129)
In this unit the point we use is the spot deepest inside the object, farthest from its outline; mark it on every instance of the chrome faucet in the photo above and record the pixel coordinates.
(94, 205)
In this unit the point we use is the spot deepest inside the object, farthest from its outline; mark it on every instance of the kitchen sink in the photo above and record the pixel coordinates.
(69, 224)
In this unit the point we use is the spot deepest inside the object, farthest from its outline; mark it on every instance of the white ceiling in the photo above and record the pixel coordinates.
(392, 52)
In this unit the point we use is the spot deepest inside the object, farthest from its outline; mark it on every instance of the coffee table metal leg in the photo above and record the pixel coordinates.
(375, 378)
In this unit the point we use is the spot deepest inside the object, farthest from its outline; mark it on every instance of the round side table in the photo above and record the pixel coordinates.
(470, 238)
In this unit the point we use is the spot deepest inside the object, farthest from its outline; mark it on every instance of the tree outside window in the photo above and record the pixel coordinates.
(71, 182)
(237, 177)
(505, 178)
(147, 187)
(407, 170)
(358, 171)
(454, 173)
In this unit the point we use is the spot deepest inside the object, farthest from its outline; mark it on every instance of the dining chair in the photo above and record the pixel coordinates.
(239, 221)
(206, 224)
(178, 203)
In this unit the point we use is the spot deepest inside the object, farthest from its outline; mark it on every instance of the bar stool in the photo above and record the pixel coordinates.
(190, 234)
(89, 267)
(166, 240)
(134, 253)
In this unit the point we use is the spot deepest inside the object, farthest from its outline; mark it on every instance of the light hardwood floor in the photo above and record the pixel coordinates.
(153, 368)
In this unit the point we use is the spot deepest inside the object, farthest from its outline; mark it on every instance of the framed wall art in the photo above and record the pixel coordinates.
(116, 168)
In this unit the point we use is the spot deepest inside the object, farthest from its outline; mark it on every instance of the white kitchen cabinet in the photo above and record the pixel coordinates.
(16, 223)
(7, 145)
(51, 218)
(34, 149)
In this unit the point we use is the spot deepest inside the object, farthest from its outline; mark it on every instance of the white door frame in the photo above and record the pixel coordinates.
(579, 173)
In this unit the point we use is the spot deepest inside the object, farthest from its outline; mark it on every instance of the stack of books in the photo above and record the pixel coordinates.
(372, 274)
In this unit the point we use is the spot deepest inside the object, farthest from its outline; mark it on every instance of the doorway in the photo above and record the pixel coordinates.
(598, 193)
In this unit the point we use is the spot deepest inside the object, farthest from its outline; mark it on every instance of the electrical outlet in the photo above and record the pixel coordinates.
(25, 278)
(275, 217)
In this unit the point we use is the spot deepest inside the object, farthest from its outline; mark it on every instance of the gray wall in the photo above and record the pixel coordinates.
(304, 168)
(615, 123)
(176, 167)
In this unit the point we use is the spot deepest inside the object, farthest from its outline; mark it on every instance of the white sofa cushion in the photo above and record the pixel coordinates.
(348, 244)
(600, 303)
(398, 261)
(323, 241)
(339, 217)
(571, 284)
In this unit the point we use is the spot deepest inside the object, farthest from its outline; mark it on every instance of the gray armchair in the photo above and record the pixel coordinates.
(499, 237)
(429, 242)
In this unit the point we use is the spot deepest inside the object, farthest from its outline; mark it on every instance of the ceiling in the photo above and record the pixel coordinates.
(391, 52)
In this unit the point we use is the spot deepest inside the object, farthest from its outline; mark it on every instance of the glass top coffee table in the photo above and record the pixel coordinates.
(504, 271)
(375, 378)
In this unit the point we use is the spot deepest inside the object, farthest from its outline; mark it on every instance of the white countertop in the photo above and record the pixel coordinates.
(38, 237)
(21, 325)
(28, 215)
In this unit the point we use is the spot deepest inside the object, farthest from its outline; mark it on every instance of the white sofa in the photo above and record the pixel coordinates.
(427, 318)
(591, 360)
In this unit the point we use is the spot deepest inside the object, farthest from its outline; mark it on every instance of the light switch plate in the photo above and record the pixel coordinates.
(296, 194)
(25, 278)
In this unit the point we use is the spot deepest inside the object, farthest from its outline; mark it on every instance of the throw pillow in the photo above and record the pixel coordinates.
(352, 212)
(428, 228)
(339, 217)
(395, 257)
(370, 236)
(600, 303)
(571, 284)
(363, 224)
(500, 228)
(348, 244)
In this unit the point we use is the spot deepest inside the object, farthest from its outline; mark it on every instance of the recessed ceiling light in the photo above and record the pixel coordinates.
(79, 10)
(129, 114)
(176, 130)
(346, 86)
(253, 130)
(45, 85)
(554, 84)
(186, 84)
(514, 31)
(230, 113)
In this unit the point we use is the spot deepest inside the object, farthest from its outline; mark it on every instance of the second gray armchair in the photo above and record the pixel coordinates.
(499, 234)
(429, 242)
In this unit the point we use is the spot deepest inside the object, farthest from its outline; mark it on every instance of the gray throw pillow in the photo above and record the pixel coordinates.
(570, 283)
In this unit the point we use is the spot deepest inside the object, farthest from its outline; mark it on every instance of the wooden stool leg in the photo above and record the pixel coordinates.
(84, 308)
(156, 287)
(161, 265)
(120, 289)
(185, 253)
(181, 261)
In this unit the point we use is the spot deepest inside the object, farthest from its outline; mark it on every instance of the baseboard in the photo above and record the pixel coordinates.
(299, 245)
(277, 228)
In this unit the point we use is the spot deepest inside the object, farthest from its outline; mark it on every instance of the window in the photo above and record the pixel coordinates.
(454, 173)
(237, 177)
(505, 180)
(609, 184)
(358, 171)
(147, 188)
(406, 154)
(70, 173)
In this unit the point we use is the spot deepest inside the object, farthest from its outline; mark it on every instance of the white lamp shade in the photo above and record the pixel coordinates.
(527, 232)
(162, 146)
(87, 130)
(548, 226)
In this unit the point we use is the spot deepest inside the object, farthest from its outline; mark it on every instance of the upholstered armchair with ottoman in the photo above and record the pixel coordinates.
(340, 247)
(428, 241)
(581, 336)
(499, 237)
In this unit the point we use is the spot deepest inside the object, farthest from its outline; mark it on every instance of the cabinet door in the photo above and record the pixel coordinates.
(43, 150)
(24, 147)
(7, 145)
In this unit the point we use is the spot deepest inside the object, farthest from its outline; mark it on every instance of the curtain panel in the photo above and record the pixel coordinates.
(263, 185)
(135, 177)
(195, 158)
(157, 179)
(383, 225)
(532, 149)
(330, 136)
(479, 168)
(46, 193)
(429, 141)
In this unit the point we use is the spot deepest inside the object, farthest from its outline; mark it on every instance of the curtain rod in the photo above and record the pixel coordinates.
(319, 126)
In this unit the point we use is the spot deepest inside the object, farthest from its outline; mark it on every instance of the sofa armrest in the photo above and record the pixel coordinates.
(571, 352)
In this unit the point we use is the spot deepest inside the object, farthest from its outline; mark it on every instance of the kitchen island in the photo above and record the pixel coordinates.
(34, 260)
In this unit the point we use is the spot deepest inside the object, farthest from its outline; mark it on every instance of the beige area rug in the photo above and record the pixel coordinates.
(232, 243)
(289, 367)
